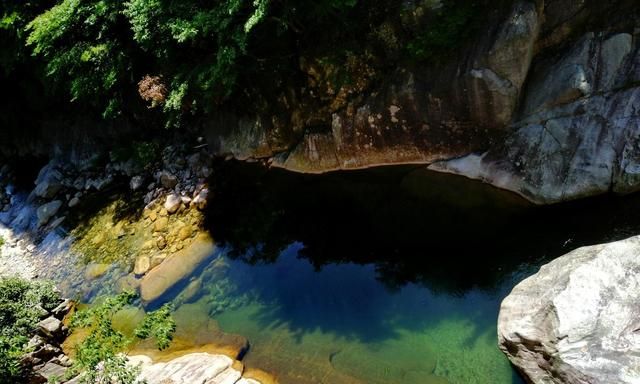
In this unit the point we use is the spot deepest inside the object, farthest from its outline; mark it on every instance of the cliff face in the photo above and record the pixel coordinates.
(542, 102)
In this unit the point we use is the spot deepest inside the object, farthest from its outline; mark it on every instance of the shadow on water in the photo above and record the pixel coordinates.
(351, 253)
(445, 232)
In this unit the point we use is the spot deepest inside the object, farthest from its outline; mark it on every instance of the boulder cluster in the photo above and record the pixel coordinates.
(45, 359)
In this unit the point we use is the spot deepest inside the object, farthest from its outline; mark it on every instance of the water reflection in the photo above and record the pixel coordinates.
(445, 232)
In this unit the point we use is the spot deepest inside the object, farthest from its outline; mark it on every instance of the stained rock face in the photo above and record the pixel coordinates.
(416, 117)
(577, 320)
(544, 104)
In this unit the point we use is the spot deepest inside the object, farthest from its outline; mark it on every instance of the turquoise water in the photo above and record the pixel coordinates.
(342, 325)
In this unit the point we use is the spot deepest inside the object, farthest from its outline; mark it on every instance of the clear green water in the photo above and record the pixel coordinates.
(342, 325)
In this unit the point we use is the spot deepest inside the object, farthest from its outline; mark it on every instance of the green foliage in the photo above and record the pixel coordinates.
(158, 325)
(447, 30)
(1, 241)
(142, 153)
(21, 304)
(227, 54)
(99, 357)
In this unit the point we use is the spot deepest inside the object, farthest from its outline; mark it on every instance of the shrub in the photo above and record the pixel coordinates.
(21, 304)
(99, 357)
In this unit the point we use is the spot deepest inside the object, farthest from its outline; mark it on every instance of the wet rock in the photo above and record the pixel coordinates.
(50, 327)
(47, 189)
(157, 260)
(576, 321)
(48, 182)
(161, 224)
(128, 283)
(94, 271)
(142, 265)
(172, 203)
(47, 211)
(191, 291)
(176, 268)
(57, 222)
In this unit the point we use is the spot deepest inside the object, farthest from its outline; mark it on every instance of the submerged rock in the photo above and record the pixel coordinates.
(577, 320)
(176, 268)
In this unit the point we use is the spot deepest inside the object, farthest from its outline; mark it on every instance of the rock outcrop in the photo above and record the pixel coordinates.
(577, 320)
(192, 368)
(543, 103)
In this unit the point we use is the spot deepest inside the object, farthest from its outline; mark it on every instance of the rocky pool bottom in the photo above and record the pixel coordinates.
(380, 276)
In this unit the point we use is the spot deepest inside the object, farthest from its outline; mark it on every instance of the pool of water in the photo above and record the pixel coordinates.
(342, 324)
(380, 276)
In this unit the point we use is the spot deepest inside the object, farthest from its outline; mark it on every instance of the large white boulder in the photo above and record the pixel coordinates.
(577, 320)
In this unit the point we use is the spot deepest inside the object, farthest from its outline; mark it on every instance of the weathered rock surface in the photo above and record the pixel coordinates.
(580, 133)
(176, 268)
(577, 320)
(202, 368)
(544, 104)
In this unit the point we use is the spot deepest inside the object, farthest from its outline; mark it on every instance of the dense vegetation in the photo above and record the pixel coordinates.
(104, 344)
(159, 62)
(21, 305)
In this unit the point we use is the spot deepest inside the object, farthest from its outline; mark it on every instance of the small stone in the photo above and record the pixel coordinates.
(172, 203)
(136, 183)
(36, 342)
(153, 216)
(200, 200)
(61, 310)
(168, 180)
(74, 202)
(50, 327)
(161, 224)
(185, 232)
(161, 243)
(52, 371)
(142, 265)
(47, 211)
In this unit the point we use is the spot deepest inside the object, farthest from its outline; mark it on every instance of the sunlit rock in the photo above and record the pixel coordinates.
(576, 321)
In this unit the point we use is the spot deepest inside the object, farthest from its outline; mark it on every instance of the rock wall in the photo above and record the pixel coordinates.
(542, 102)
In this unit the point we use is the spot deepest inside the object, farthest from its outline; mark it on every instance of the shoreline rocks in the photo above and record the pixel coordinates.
(577, 320)
(191, 368)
